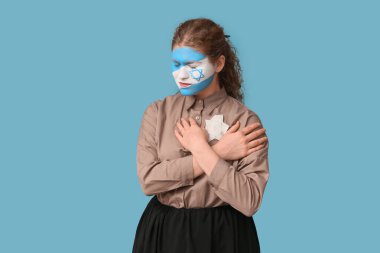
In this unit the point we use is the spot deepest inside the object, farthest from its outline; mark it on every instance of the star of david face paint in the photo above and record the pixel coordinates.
(192, 70)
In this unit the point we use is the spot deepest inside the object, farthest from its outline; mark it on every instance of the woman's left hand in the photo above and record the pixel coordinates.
(190, 135)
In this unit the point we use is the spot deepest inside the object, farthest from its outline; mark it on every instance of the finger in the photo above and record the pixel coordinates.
(185, 123)
(246, 130)
(234, 127)
(179, 137)
(257, 142)
(178, 131)
(192, 122)
(250, 151)
(250, 128)
(255, 134)
(180, 127)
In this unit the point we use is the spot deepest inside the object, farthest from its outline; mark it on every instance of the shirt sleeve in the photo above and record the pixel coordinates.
(242, 185)
(158, 176)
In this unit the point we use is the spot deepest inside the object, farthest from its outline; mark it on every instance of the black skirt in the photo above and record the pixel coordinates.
(221, 229)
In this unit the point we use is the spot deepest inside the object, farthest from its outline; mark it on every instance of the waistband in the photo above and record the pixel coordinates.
(155, 202)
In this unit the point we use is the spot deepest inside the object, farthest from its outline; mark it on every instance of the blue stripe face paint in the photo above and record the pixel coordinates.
(192, 70)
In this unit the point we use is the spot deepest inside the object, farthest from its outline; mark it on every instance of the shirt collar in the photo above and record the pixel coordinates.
(209, 103)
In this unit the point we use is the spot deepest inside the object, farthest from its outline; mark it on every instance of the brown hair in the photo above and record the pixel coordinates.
(209, 38)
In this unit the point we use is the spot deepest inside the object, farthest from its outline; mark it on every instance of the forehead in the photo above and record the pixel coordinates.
(186, 54)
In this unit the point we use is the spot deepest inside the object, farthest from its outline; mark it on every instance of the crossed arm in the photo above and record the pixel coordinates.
(242, 187)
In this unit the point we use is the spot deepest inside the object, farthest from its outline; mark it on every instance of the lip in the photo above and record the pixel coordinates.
(184, 85)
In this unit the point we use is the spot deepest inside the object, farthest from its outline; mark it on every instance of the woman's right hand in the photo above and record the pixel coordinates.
(236, 144)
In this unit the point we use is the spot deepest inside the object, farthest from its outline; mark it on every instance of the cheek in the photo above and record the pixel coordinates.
(175, 74)
(208, 69)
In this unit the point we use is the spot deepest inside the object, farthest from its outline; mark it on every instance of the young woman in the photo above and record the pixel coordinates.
(201, 152)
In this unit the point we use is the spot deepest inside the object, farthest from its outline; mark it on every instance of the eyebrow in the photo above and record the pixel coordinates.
(187, 62)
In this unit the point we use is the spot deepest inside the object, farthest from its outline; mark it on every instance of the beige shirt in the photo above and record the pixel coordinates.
(165, 168)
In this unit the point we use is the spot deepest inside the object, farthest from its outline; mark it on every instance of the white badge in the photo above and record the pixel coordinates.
(215, 127)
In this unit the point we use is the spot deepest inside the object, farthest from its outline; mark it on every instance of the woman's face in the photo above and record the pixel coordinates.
(192, 70)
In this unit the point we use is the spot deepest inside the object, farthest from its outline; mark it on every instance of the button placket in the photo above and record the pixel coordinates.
(197, 111)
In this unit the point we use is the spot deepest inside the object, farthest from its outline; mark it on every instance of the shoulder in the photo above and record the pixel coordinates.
(245, 115)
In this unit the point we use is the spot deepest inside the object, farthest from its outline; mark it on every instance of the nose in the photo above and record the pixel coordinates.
(183, 73)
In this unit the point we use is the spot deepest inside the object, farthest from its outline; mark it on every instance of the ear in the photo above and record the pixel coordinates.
(220, 63)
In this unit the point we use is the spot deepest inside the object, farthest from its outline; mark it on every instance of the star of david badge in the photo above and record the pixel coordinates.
(215, 127)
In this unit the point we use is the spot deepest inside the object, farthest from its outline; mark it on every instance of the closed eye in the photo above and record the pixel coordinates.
(190, 65)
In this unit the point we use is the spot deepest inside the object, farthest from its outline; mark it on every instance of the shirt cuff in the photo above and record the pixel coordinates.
(218, 172)
(187, 171)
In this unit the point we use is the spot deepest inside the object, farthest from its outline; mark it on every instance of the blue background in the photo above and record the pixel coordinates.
(76, 76)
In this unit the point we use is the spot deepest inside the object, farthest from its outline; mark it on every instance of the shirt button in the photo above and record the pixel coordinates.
(197, 117)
